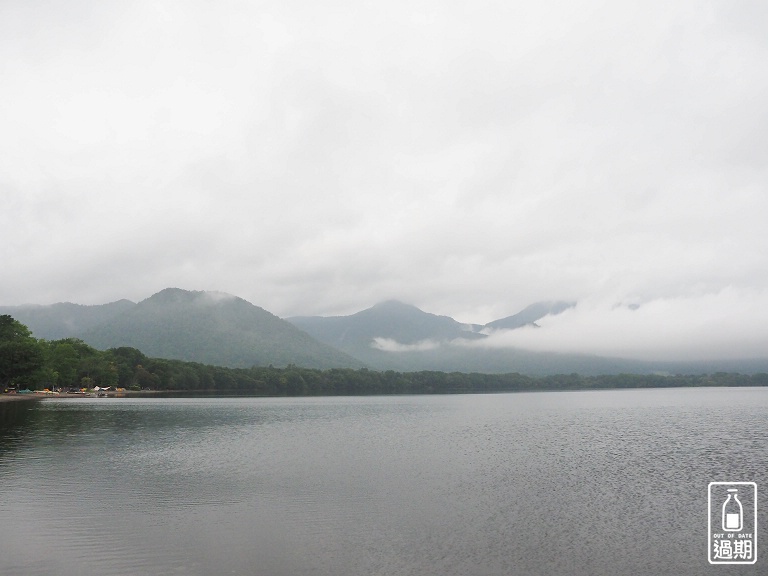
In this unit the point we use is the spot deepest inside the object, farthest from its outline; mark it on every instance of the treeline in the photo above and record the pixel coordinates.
(294, 381)
(70, 363)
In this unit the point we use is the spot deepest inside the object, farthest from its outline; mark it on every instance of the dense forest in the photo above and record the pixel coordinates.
(26, 362)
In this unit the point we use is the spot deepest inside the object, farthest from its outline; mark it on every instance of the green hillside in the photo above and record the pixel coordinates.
(213, 328)
(394, 320)
(397, 336)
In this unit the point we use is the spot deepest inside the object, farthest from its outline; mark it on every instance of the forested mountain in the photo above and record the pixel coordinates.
(396, 336)
(220, 329)
(408, 325)
(70, 365)
(391, 320)
(65, 319)
(400, 337)
(213, 328)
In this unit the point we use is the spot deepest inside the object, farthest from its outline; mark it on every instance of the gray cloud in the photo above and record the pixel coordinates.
(468, 157)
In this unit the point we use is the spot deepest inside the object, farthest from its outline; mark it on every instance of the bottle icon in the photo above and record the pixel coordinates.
(733, 513)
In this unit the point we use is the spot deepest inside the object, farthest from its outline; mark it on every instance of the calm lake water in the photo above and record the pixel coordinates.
(558, 483)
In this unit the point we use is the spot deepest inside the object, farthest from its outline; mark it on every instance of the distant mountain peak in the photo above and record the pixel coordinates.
(393, 304)
(528, 315)
(213, 328)
(388, 321)
(170, 295)
(179, 295)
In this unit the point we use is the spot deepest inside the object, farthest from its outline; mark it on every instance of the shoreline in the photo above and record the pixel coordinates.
(19, 397)
(235, 393)
(44, 395)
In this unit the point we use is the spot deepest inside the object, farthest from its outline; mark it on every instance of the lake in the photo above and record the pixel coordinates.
(544, 483)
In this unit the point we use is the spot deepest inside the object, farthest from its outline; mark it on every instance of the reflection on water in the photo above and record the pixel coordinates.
(608, 482)
(14, 416)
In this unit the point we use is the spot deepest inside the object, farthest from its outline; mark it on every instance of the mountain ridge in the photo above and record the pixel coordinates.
(223, 329)
(219, 328)
(213, 328)
(388, 319)
(528, 315)
(392, 335)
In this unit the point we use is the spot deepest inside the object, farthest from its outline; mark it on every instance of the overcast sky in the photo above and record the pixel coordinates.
(466, 157)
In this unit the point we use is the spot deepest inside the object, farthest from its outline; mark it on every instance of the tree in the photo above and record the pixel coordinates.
(64, 360)
(125, 360)
(145, 379)
(21, 355)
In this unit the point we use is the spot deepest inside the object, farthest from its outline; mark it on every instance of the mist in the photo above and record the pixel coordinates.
(732, 324)
(469, 158)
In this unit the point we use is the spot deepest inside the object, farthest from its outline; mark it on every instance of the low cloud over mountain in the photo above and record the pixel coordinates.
(593, 336)
(695, 328)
